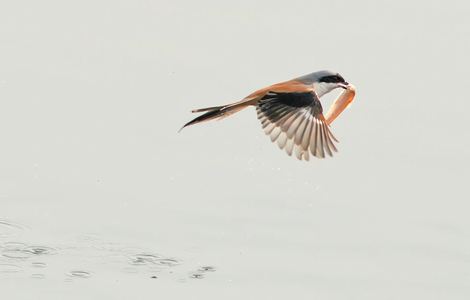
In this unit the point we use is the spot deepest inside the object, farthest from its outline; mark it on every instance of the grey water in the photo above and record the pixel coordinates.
(101, 198)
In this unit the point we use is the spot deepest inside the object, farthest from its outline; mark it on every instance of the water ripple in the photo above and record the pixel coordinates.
(23, 251)
(141, 259)
(8, 228)
(207, 269)
(201, 272)
(10, 268)
(38, 276)
(196, 276)
(79, 274)
(38, 264)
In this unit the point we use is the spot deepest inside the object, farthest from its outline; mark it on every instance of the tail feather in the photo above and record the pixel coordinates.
(210, 115)
(206, 109)
(214, 113)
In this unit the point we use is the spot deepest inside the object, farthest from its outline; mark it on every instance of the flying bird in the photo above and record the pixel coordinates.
(291, 113)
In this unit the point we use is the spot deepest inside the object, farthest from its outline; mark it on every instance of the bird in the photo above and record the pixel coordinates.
(291, 113)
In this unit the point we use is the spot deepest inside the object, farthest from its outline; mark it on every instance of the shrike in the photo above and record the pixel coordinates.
(291, 113)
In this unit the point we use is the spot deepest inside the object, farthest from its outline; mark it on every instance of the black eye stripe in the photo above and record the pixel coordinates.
(332, 79)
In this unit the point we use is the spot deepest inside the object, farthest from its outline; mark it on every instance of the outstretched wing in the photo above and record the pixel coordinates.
(295, 121)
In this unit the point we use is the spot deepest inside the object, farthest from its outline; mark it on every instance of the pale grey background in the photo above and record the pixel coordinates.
(92, 94)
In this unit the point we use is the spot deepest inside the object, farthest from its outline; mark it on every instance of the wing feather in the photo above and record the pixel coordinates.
(296, 123)
(326, 143)
(289, 146)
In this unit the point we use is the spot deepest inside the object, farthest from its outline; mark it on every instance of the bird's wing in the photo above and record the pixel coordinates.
(282, 87)
(295, 120)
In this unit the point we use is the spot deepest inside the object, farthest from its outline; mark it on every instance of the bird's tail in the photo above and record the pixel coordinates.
(215, 113)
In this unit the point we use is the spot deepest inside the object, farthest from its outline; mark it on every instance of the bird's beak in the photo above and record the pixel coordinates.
(344, 85)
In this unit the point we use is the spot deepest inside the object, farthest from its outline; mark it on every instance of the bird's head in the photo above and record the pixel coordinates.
(324, 81)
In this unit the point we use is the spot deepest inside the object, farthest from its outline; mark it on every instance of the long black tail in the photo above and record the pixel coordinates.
(213, 113)
(209, 115)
